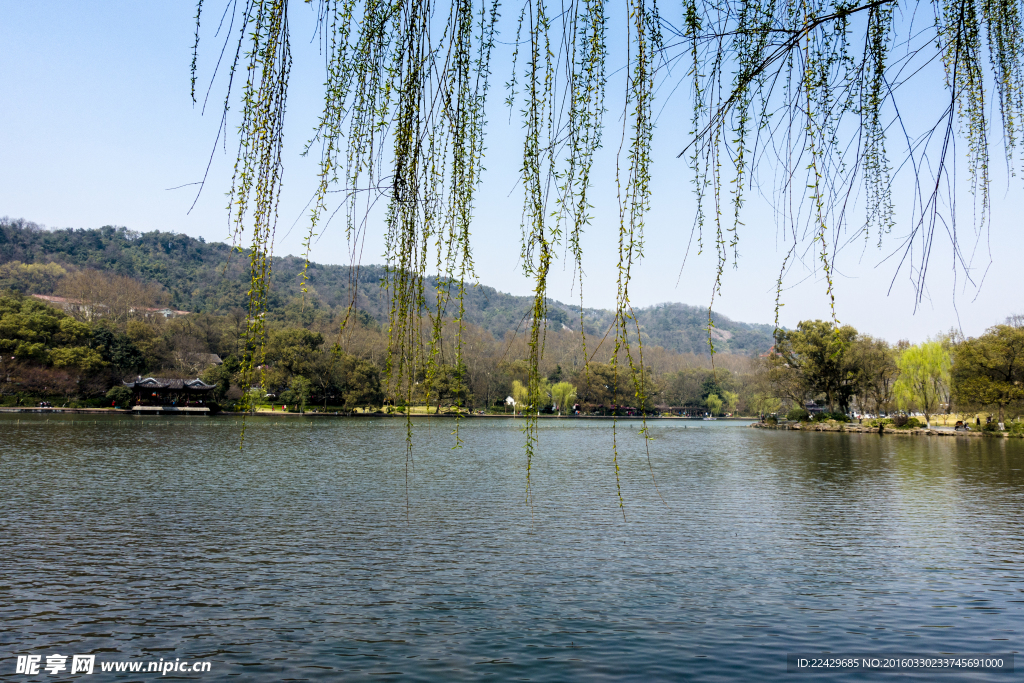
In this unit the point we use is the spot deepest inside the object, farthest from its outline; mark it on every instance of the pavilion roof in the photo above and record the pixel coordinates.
(165, 383)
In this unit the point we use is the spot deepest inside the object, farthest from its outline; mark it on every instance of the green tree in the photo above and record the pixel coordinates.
(294, 350)
(120, 396)
(819, 353)
(715, 381)
(731, 400)
(117, 349)
(81, 357)
(989, 370)
(604, 385)
(445, 384)
(28, 328)
(875, 360)
(684, 387)
(765, 404)
(297, 393)
(30, 278)
(361, 384)
(220, 376)
(563, 394)
(924, 378)
(713, 403)
(521, 396)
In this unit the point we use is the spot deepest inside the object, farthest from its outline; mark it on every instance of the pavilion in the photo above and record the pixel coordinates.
(181, 393)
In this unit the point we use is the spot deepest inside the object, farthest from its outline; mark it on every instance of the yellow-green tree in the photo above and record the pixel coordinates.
(924, 378)
(521, 395)
(765, 404)
(563, 394)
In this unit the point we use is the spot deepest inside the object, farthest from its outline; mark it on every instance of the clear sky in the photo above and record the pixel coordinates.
(99, 123)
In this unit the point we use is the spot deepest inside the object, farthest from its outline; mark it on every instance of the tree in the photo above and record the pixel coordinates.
(117, 349)
(360, 383)
(875, 361)
(293, 350)
(220, 376)
(563, 394)
(444, 383)
(989, 370)
(924, 378)
(521, 396)
(36, 380)
(765, 404)
(713, 403)
(81, 357)
(297, 393)
(731, 400)
(30, 278)
(120, 396)
(115, 298)
(819, 352)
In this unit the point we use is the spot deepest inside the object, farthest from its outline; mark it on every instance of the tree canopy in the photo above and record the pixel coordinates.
(989, 370)
(924, 378)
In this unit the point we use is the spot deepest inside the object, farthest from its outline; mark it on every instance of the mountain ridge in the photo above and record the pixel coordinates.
(213, 277)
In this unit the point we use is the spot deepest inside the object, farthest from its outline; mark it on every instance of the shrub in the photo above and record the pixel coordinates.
(121, 396)
(798, 414)
(837, 417)
(900, 421)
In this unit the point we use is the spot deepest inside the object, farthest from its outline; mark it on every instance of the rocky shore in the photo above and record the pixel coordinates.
(854, 428)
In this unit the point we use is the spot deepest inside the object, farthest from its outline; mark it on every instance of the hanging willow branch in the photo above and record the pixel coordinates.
(806, 92)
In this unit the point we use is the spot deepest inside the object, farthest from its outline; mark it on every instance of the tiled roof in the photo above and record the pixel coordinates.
(178, 384)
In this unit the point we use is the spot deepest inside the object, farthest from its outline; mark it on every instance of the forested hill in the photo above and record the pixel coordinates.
(212, 277)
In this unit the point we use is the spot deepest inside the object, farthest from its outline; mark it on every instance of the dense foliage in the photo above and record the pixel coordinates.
(844, 370)
(989, 370)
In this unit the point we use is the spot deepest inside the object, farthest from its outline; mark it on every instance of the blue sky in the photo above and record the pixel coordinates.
(99, 123)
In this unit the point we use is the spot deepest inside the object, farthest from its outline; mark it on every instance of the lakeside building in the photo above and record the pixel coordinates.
(183, 393)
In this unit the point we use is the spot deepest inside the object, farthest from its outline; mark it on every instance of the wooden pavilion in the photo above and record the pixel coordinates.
(181, 393)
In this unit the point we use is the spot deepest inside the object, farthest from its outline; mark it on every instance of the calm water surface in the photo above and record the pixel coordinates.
(314, 553)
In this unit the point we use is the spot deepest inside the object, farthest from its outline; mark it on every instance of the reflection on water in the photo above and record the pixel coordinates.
(306, 555)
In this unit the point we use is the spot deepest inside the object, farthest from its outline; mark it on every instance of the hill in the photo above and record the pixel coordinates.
(199, 276)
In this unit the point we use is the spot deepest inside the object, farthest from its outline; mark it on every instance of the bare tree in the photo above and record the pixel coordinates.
(94, 294)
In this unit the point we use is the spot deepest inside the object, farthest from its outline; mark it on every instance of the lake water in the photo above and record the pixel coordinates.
(321, 551)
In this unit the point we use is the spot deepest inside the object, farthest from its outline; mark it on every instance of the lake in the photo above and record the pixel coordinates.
(324, 551)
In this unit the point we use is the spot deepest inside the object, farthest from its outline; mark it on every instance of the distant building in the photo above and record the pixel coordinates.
(83, 309)
(813, 408)
(165, 312)
(89, 311)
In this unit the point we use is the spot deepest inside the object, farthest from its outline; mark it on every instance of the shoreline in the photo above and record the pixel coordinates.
(225, 413)
(850, 428)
